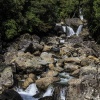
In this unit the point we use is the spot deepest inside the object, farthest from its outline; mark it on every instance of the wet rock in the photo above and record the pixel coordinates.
(70, 67)
(47, 98)
(6, 78)
(43, 83)
(10, 95)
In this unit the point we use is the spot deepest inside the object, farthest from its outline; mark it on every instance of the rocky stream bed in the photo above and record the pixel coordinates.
(53, 67)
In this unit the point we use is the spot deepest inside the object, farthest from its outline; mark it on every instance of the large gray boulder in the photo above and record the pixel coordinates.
(6, 77)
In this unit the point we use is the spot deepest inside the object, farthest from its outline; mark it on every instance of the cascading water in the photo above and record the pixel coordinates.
(64, 29)
(49, 91)
(30, 91)
(81, 17)
(70, 31)
(79, 30)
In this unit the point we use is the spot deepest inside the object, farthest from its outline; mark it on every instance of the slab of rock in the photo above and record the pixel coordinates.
(43, 83)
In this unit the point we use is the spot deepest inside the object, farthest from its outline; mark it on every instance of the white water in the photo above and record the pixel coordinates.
(79, 30)
(64, 28)
(64, 78)
(81, 17)
(49, 91)
(30, 91)
(58, 24)
(62, 94)
(71, 32)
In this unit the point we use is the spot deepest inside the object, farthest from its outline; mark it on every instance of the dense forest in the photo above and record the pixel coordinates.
(38, 16)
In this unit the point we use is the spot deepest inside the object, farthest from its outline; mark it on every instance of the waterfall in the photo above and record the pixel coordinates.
(80, 14)
(79, 30)
(70, 31)
(64, 29)
(81, 17)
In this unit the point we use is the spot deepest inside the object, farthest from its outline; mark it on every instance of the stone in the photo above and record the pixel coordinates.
(47, 48)
(27, 82)
(73, 21)
(43, 83)
(23, 60)
(70, 67)
(46, 58)
(51, 66)
(65, 51)
(88, 70)
(75, 73)
(50, 73)
(73, 90)
(76, 60)
(6, 78)
(10, 95)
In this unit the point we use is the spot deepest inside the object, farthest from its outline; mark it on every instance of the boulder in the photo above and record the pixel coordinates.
(75, 60)
(70, 67)
(6, 78)
(23, 60)
(50, 73)
(47, 48)
(31, 79)
(43, 83)
(73, 21)
(88, 70)
(46, 58)
(10, 95)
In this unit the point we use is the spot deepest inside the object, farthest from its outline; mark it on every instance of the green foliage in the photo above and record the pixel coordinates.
(10, 28)
(40, 15)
